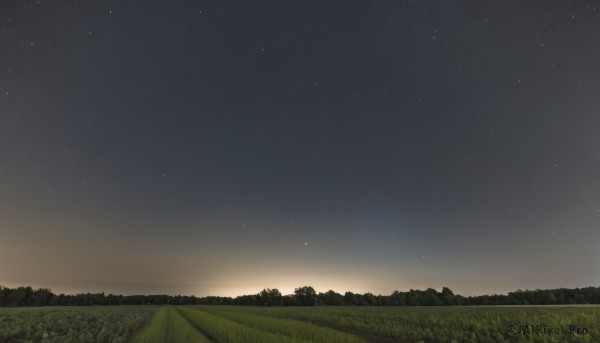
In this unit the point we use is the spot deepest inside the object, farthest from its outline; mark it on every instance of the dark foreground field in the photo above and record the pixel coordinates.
(299, 324)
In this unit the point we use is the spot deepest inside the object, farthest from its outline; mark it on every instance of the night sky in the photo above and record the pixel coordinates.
(223, 147)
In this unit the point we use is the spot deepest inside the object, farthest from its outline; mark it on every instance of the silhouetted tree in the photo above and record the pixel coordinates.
(331, 298)
(307, 296)
(270, 297)
(351, 299)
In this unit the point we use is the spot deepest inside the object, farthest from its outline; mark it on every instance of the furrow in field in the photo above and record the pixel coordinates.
(224, 330)
(168, 325)
(291, 328)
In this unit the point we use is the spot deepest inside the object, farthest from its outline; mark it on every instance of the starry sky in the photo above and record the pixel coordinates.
(223, 147)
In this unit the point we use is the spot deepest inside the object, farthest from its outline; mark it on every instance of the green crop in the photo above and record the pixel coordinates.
(445, 324)
(224, 330)
(293, 329)
(72, 324)
(136, 324)
(168, 326)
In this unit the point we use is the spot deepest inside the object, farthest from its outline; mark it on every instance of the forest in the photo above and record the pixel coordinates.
(304, 296)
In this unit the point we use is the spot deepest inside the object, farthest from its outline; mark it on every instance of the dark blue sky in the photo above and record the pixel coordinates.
(206, 147)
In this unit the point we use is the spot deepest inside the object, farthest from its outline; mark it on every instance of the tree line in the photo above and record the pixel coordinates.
(304, 296)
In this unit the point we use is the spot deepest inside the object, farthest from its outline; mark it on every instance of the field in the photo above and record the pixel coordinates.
(72, 324)
(140, 324)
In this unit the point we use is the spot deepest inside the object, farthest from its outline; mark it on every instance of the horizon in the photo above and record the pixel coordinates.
(215, 148)
(290, 293)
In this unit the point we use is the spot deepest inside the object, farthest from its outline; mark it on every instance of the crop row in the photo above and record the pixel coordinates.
(292, 324)
(72, 324)
(186, 324)
(168, 326)
(229, 325)
(450, 324)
